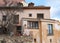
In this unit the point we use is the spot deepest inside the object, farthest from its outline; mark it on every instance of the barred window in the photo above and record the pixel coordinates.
(33, 25)
(50, 29)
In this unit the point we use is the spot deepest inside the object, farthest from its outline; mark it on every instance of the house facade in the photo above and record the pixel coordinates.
(28, 20)
(42, 27)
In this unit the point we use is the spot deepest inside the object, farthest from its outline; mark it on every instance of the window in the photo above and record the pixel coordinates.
(50, 29)
(19, 30)
(33, 25)
(4, 17)
(40, 15)
(16, 19)
(30, 15)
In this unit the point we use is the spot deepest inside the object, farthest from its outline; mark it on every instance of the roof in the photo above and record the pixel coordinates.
(16, 7)
(37, 7)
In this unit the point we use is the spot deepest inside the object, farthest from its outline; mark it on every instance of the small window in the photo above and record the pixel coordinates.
(40, 15)
(19, 30)
(30, 15)
(4, 17)
(18, 27)
(16, 19)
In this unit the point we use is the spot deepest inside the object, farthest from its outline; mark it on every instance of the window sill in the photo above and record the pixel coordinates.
(50, 34)
(33, 28)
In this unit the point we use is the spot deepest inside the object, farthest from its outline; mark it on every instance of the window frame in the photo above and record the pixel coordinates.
(33, 25)
(50, 29)
(42, 15)
(15, 19)
(30, 15)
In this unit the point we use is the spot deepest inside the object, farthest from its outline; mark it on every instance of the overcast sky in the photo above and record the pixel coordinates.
(54, 4)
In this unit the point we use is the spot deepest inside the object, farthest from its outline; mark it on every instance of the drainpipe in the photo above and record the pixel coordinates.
(40, 30)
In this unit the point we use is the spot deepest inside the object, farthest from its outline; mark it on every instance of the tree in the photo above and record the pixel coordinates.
(8, 2)
(10, 26)
(8, 23)
(9, 19)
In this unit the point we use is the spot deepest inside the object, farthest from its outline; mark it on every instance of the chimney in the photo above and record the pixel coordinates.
(31, 4)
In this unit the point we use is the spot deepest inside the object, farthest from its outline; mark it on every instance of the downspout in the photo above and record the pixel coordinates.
(40, 30)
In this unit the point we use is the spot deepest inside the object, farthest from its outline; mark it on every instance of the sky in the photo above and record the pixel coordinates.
(54, 4)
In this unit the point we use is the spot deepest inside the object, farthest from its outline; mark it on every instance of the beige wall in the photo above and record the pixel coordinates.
(25, 13)
(44, 26)
(35, 32)
(45, 37)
